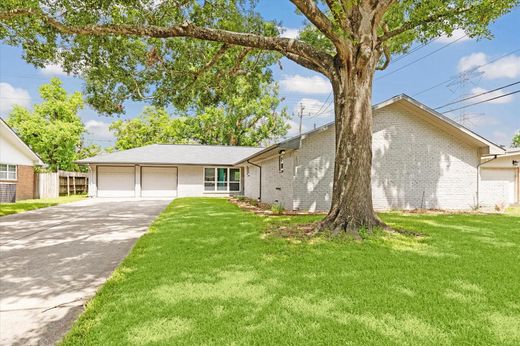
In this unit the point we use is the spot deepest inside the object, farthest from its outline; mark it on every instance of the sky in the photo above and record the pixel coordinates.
(446, 70)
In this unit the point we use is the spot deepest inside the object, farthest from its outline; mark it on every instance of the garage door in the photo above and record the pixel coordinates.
(116, 182)
(498, 186)
(158, 181)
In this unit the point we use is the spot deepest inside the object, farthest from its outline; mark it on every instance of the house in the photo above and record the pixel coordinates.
(421, 159)
(17, 162)
(500, 179)
(163, 170)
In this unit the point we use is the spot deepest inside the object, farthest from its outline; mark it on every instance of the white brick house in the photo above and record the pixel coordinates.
(421, 159)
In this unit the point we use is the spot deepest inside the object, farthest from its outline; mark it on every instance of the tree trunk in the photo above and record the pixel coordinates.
(351, 206)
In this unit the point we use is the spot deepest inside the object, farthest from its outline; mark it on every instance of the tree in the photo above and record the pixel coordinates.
(245, 116)
(154, 125)
(53, 129)
(516, 140)
(242, 118)
(140, 45)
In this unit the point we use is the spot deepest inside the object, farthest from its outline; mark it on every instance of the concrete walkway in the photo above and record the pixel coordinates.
(52, 260)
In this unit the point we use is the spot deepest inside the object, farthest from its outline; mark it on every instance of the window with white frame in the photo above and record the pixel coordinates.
(280, 160)
(222, 179)
(7, 172)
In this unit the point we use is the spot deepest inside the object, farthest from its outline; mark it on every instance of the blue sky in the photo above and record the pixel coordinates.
(497, 120)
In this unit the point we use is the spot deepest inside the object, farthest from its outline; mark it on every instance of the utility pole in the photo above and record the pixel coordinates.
(301, 117)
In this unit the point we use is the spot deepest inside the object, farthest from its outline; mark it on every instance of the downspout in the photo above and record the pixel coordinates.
(478, 177)
(260, 182)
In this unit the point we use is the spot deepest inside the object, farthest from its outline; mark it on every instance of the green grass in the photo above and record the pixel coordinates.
(31, 204)
(206, 273)
(513, 211)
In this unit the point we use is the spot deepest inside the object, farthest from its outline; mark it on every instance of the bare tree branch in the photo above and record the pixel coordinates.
(415, 23)
(318, 18)
(387, 54)
(285, 46)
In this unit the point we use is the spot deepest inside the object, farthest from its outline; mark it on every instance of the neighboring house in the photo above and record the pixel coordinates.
(17, 161)
(163, 170)
(500, 179)
(421, 159)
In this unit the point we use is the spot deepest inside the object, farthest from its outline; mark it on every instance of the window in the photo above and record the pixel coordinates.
(222, 179)
(280, 160)
(7, 172)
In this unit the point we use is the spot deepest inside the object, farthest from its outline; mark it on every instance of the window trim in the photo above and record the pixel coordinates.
(7, 172)
(215, 180)
(281, 155)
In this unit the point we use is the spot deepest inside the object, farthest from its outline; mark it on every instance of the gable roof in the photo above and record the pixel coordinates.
(428, 113)
(178, 154)
(6, 130)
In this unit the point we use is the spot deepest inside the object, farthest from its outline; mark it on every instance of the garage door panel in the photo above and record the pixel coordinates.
(498, 186)
(116, 182)
(159, 181)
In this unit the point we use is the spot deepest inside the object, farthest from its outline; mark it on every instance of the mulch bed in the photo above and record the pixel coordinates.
(265, 209)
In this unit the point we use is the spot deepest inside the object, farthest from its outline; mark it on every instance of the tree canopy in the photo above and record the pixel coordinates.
(516, 140)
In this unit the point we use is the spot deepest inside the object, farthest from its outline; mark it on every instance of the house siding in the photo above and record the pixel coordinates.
(251, 181)
(277, 187)
(415, 165)
(25, 183)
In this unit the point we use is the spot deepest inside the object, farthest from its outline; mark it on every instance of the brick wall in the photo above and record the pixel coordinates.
(25, 182)
(415, 164)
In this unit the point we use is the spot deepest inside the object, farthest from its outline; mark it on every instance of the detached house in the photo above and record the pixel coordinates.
(17, 161)
(421, 159)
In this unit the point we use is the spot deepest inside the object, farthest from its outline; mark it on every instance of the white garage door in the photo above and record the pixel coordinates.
(159, 181)
(116, 181)
(498, 186)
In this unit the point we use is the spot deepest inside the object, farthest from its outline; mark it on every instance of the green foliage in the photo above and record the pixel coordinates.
(277, 208)
(516, 140)
(207, 273)
(246, 117)
(53, 129)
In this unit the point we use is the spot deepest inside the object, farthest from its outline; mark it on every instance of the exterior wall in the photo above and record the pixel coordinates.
(277, 187)
(500, 181)
(10, 153)
(415, 165)
(251, 181)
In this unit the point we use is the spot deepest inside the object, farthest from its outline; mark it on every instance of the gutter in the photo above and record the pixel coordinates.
(478, 176)
(260, 180)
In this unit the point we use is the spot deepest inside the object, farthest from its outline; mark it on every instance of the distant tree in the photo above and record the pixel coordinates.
(53, 129)
(516, 140)
(245, 116)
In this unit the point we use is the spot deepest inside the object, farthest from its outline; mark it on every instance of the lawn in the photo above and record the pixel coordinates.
(206, 273)
(31, 204)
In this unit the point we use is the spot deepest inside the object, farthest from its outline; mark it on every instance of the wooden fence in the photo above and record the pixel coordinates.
(51, 185)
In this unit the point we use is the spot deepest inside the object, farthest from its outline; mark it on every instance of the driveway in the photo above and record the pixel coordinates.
(52, 260)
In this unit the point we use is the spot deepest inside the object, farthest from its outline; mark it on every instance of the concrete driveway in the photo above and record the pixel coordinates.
(52, 260)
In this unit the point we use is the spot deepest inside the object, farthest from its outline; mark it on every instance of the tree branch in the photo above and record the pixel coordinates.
(387, 54)
(317, 17)
(285, 46)
(415, 23)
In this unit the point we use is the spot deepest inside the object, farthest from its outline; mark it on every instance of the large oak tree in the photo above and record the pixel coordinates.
(164, 50)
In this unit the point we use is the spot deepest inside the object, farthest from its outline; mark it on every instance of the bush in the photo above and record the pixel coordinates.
(277, 208)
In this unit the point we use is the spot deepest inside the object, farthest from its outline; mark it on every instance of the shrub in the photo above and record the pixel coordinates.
(277, 208)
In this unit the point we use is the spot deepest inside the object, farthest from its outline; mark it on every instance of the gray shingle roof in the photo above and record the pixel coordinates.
(178, 154)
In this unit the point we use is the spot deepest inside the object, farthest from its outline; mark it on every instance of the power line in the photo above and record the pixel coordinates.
(477, 95)
(484, 101)
(421, 58)
(401, 57)
(469, 71)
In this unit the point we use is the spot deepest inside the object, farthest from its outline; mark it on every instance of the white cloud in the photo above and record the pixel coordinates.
(456, 34)
(305, 85)
(471, 61)
(507, 67)
(53, 70)
(10, 96)
(311, 107)
(502, 100)
(478, 120)
(501, 137)
(99, 130)
(289, 32)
